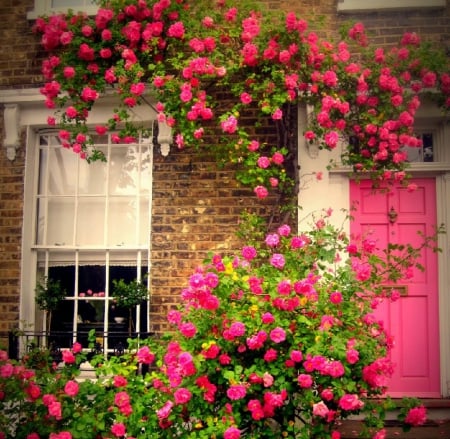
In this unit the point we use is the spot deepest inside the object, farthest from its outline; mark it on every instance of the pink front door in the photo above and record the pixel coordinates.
(395, 217)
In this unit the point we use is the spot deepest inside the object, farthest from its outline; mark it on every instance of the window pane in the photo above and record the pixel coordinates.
(124, 170)
(91, 221)
(71, 3)
(122, 221)
(92, 177)
(423, 153)
(55, 221)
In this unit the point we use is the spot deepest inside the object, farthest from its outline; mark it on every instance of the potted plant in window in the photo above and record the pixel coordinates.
(49, 294)
(128, 295)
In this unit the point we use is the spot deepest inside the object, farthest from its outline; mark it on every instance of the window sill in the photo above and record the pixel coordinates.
(415, 168)
(349, 6)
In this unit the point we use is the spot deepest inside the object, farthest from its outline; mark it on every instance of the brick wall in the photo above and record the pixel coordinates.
(11, 206)
(20, 54)
(196, 204)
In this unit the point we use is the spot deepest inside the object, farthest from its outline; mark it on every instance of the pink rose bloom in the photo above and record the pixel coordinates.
(6, 370)
(277, 260)
(176, 30)
(77, 348)
(66, 38)
(121, 399)
(253, 146)
(86, 53)
(232, 433)
(237, 329)
(145, 356)
(267, 318)
(118, 429)
(335, 369)
(320, 409)
(336, 297)
(236, 392)
(277, 335)
(119, 381)
(267, 379)
(277, 114)
(381, 434)
(54, 409)
(174, 317)
(68, 357)
(261, 192)
(208, 22)
(350, 402)
(272, 240)
(182, 396)
(48, 399)
(224, 359)
(71, 388)
(270, 355)
(130, 101)
(71, 112)
(188, 329)
(331, 139)
(246, 98)
(416, 416)
(165, 410)
(278, 158)
(68, 72)
(296, 356)
(263, 162)
(89, 94)
(229, 125)
(327, 394)
(352, 356)
(305, 381)
(249, 253)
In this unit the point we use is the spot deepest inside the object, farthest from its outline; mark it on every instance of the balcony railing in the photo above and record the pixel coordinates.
(109, 343)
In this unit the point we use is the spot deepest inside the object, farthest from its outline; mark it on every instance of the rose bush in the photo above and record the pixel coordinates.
(190, 55)
(281, 340)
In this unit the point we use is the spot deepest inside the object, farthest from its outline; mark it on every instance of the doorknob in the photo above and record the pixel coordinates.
(392, 215)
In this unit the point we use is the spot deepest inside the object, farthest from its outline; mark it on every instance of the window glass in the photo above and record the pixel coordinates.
(424, 153)
(48, 7)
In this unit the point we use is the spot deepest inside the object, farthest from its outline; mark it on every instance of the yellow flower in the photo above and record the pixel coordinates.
(254, 308)
(229, 268)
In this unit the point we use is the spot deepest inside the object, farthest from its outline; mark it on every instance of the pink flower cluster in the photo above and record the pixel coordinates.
(189, 54)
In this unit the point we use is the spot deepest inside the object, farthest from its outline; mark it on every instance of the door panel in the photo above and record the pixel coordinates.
(396, 216)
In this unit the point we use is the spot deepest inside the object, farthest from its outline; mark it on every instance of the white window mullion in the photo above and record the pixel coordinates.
(75, 294)
(107, 193)
(106, 304)
(44, 196)
(76, 202)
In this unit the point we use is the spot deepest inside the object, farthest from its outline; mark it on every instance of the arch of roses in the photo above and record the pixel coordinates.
(187, 55)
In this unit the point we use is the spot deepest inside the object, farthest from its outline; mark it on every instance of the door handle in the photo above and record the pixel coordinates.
(392, 214)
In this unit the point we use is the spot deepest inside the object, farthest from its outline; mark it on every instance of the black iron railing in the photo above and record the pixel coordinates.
(109, 343)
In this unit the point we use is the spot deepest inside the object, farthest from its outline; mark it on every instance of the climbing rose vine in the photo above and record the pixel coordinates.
(207, 65)
(280, 340)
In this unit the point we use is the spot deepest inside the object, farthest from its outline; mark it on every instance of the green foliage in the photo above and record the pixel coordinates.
(129, 294)
(49, 294)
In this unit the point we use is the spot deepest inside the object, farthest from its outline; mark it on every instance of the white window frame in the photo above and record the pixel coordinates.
(76, 256)
(44, 7)
(348, 6)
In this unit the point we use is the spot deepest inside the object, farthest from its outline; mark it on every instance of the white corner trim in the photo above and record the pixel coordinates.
(12, 136)
(164, 138)
(364, 5)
